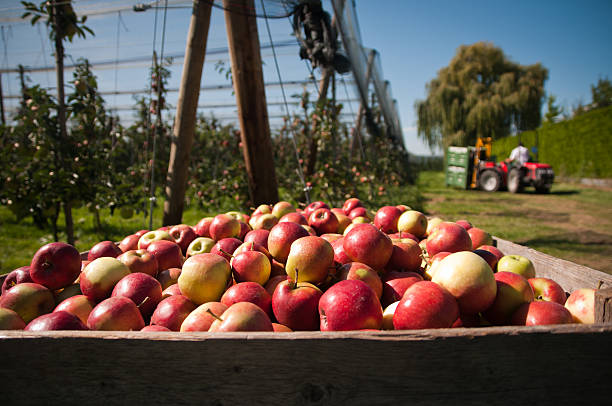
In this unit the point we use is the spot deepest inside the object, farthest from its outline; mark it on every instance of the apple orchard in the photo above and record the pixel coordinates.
(283, 269)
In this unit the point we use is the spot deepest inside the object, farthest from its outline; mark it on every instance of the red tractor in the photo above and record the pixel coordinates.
(473, 168)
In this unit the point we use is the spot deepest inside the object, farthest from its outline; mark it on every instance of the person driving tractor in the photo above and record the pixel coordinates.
(519, 155)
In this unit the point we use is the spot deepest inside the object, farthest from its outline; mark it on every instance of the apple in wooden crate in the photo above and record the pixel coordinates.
(479, 237)
(258, 236)
(280, 238)
(295, 305)
(144, 290)
(129, 243)
(59, 320)
(469, 279)
(199, 245)
(79, 305)
(115, 314)
(425, 305)
(242, 316)
(167, 253)
(516, 264)
(200, 319)
(413, 222)
(449, 237)
(541, 313)
(323, 221)
(140, 261)
(312, 256)
(251, 266)
(386, 219)
(350, 305)
(16, 276)
(366, 244)
(224, 226)
(581, 304)
(512, 291)
(183, 235)
(548, 290)
(172, 311)
(204, 278)
(10, 320)
(104, 249)
(55, 265)
(362, 272)
(202, 228)
(248, 292)
(100, 277)
(156, 235)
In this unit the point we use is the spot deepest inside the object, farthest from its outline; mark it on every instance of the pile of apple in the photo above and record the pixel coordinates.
(284, 269)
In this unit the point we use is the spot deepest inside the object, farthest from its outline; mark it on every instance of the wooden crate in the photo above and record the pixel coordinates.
(493, 365)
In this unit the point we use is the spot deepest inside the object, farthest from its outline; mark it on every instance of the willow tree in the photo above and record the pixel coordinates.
(480, 93)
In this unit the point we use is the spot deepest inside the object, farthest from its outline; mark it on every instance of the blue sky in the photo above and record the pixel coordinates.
(414, 38)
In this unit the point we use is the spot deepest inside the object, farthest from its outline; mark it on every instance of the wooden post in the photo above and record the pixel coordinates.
(184, 124)
(2, 103)
(603, 306)
(247, 76)
(363, 107)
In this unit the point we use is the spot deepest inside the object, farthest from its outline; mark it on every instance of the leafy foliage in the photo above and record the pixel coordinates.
(481, 93)
(67, 24)
(576, 148)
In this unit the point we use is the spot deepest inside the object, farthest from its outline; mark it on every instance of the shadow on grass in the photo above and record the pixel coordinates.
(589, 242)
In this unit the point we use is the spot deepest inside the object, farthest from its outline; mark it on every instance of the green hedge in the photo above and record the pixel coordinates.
(576, 148)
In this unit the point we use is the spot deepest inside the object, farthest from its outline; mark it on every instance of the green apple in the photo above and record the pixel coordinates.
(200, 245)
(204, 278)
(516, 264)
(413, 222)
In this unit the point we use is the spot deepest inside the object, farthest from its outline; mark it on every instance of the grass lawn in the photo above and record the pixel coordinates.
(573, 222)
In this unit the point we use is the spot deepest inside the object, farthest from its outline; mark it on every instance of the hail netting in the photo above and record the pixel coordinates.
(273, 8)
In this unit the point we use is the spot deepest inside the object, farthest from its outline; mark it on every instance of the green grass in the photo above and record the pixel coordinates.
(573, 222)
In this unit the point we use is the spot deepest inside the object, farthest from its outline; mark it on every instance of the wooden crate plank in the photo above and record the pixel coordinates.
(540, 365)
(603, 306)
(569, 275)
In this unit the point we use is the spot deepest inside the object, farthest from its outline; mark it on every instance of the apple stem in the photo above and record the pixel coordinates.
(252, 245)
(295, 282)
(600, 284)
(143, 301)
(226, 253)
(214, 315)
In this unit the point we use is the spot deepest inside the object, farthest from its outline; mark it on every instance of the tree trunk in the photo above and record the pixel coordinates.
(247, 75)
(184, 124)
(61, 117)
(313, 146)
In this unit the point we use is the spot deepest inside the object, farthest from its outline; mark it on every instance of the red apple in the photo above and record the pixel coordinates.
(273, 283)
(251, 266)
(168, 277)
(155, 328)
(115, 314)
(386, 219)
(224, 226)
(489, 257)
(512, 291)
(413, 222)
(129, 243)
(79, 305)
(59, 320)
(28, 300)
(358, 212)
(465, 224)
(295, 305)
(312, 257)
(362, 272)
(16, 276)
(406, 256)
(104, 249)
(281, 208)
(202, 229)
(494, 250)
(367, 244)
(308, 210)
(425, 305)
(323, 221)
(340, 256)
(350, 204)
(151, 236)
(448, 237)
(547, 290)
(200, 319)
(55, 265)
(183, 235)
(204, 278)
(541, 313)
(395, 284)
(258, 236)
(479, 237)
(280, 238)
(226, 247)
(144, 290)
(10, 320)
(167, 253)
(581, 304)
(172, 311)
(350, 305)
(171, 290)
(140, 261)
(248, 292)
(242, 316)
(100, 277)
(469, 279)
(294, 217)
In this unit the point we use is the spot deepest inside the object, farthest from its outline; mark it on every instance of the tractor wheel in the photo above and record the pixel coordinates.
(515, 185)
(489, 181)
